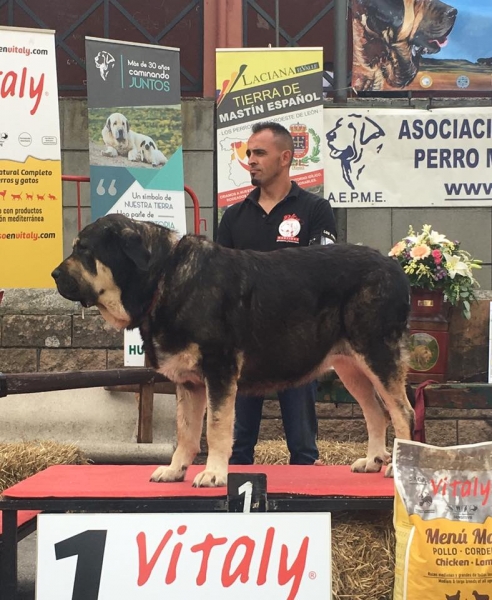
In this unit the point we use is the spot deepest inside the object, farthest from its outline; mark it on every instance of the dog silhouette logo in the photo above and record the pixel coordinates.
(349, 142)
(104, 62)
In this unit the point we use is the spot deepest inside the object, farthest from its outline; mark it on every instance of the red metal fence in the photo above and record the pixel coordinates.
(79, 179)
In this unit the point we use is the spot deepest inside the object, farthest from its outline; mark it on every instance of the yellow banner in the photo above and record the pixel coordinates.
(268, 84)
(31, 223)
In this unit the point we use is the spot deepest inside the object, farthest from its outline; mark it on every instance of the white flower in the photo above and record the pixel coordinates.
(437, 238)
(455, 266)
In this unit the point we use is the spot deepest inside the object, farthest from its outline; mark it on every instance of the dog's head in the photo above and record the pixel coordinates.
(399, 32)
(104, 62)
(119, 128)
(147, 150)
(347, 142)
(112, 266)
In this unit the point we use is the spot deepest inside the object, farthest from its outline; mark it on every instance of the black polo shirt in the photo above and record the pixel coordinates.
(299, 219)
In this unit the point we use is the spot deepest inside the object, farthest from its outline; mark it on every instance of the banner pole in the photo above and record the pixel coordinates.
(340, 62)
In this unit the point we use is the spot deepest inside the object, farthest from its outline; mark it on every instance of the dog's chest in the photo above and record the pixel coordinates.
(180, 367)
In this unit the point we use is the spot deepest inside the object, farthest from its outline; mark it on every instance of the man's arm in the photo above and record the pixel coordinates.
(322, 228)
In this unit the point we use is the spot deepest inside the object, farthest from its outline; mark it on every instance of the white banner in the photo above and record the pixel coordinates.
(176, 556)
(402, 158)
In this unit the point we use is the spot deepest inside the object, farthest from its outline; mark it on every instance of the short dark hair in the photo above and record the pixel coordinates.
(278, 130)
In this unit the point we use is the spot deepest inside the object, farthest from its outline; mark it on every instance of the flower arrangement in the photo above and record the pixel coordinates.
(433, 262)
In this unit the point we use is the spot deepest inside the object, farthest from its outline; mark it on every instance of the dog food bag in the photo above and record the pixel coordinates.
(443, 521)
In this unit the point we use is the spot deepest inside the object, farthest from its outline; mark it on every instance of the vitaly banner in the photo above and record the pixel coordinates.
(278, 84)
(135, 139)
(401, 158)
(31, 242)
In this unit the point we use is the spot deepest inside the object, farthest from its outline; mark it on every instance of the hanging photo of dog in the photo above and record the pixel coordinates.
(421, 45)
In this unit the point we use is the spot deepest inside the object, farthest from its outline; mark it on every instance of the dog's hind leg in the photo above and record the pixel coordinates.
(361, 388)
(190, 410)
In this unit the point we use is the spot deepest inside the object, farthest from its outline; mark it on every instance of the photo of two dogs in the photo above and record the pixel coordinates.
(120, 139)
(143, 137)
(215, 320)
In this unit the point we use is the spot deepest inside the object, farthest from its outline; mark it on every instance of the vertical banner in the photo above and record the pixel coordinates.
(274, 84)
(135, 139)
(31, 223)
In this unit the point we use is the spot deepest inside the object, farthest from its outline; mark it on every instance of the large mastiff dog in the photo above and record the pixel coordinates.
(391, 36)
(214, 320)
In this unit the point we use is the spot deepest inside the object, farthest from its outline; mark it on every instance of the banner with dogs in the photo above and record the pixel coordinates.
(135, 136)
(277, 84)
(406, 157)
(422, 45)
(135, 140)
(31, 222)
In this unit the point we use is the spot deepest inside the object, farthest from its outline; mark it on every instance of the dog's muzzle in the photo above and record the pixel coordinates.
(71, 289)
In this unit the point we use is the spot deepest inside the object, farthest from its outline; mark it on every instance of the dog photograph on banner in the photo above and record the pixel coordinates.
(421, 45)
(125, 135)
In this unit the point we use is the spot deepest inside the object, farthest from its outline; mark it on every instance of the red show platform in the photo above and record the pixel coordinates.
(103, 481)
(107, 488)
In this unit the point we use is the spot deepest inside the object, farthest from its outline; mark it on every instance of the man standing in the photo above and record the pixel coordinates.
(277, 214)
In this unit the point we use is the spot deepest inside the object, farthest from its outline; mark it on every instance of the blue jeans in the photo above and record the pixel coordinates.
(298, 409)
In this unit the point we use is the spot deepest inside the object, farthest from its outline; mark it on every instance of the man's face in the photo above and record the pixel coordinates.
(266, 158)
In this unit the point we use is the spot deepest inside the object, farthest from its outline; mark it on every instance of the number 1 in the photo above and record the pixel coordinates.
(89, 547)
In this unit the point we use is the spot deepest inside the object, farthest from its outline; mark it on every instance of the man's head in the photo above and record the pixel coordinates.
(270, 152)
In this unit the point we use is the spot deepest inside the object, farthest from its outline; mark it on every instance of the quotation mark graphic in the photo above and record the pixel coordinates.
(101, 190)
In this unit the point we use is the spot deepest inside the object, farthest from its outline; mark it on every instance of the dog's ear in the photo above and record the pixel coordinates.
(142, 143)
(369, 131)
(108, 124)
(133, 246)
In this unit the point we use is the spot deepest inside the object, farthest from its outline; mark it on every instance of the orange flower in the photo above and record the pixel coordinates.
(397, 249)
(421, 251)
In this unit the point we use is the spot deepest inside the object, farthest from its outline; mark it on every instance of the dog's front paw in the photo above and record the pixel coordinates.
(163, 474)
(211, 478)
(371, 464)
(109, 152)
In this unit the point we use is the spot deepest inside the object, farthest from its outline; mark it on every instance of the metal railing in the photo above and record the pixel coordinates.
(79, 179)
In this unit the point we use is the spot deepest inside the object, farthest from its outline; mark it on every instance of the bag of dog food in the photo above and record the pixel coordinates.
(443, 521)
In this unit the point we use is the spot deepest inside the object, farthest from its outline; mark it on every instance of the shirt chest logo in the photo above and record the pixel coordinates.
(289, 229)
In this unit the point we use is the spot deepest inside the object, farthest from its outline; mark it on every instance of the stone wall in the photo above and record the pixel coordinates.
(41, 331)
(344, 423)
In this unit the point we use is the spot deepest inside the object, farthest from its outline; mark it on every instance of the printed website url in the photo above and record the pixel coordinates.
(468, 191)
(27, 235)
(24, 50)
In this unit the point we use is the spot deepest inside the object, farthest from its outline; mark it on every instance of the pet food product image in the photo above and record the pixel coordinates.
(443, 521)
